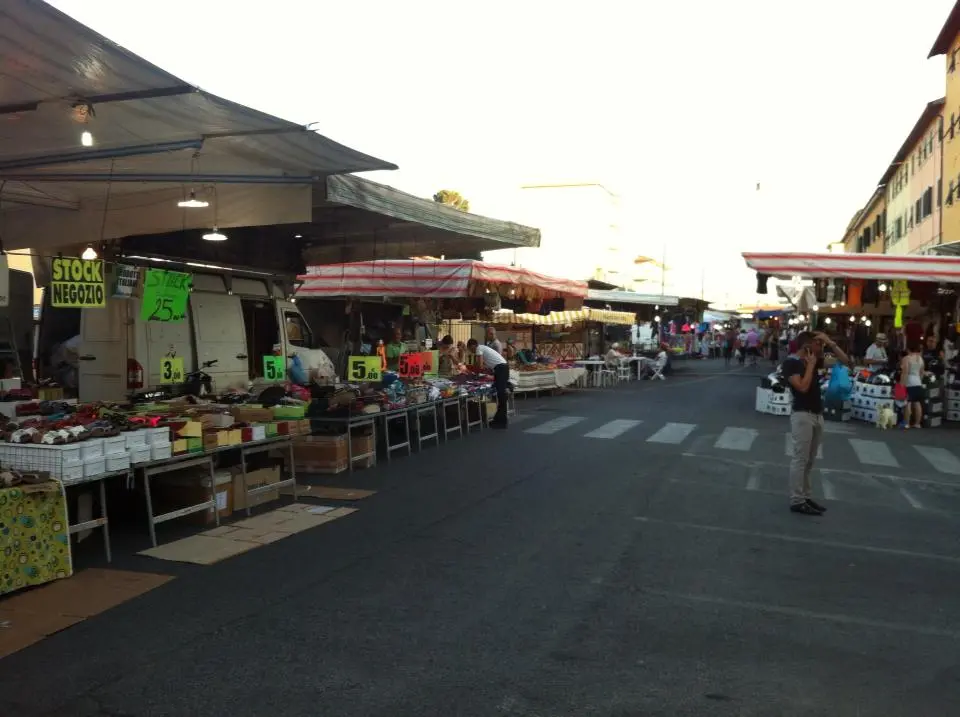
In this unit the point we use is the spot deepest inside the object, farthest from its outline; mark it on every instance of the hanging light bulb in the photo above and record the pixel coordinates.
(863, 318)
(816, 307)
(89, 254)
(657, 318)
(833, 305)
(868, 322)
(86, 139)
(828, 320)
(215, 235)
(882, 287)
(853, 318)
(193, 202)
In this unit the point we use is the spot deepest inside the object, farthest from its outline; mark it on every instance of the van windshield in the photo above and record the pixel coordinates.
(298, 333)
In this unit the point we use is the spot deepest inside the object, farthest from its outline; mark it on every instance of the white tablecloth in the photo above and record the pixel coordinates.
(527, 381)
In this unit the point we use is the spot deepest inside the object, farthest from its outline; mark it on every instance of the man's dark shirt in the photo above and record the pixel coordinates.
(811, 401)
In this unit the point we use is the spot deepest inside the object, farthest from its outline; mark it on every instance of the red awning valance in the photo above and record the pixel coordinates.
(856, 266)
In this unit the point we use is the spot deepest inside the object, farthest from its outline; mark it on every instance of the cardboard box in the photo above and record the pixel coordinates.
(217, 420)
(215, 439)
(235, 437)
(272, 429)
(255, 479)
(192, 487)
(304, 427)
(191, 429)
(251, 414)
(328, 454)
(253, 433)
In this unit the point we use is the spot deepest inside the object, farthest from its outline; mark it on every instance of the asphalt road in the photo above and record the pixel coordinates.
(595, 559)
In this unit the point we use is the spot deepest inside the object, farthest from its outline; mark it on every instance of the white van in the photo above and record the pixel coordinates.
(231, 320)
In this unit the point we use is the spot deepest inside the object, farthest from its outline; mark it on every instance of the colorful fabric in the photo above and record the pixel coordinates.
(34, 536)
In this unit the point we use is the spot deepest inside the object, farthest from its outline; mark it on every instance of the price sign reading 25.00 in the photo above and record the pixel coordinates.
(274, 368)
(411, 365)
(361, 369)
(165, 295)
(171, 370)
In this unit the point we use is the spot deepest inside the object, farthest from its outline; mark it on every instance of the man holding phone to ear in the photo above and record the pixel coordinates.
(806, 421)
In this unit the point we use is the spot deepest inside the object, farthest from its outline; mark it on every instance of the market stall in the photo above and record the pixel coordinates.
(856, 298)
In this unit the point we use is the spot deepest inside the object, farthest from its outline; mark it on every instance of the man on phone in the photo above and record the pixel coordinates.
(806, 421)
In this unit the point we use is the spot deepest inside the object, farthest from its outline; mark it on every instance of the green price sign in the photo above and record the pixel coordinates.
(165, 295)
(364, 368)
(274, 368)
(171, 370)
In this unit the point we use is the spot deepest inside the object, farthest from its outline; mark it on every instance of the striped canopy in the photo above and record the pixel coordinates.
(567, 318)
(856, 266)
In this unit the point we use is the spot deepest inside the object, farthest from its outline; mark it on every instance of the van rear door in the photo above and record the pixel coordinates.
(102, 368)
(219, 331)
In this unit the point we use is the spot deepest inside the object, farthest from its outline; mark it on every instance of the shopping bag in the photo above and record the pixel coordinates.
(899, 392)
(841, 385)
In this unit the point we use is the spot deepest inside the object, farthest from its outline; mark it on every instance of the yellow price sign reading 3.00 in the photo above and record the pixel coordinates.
(361, 369)
(171, 370)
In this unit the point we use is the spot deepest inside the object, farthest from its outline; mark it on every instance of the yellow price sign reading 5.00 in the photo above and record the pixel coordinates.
(171, 370)
(361, 369)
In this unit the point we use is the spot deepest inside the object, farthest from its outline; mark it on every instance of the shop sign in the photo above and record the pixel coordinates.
(431, 363)
(165, 295)
(125, 281)
(274, 368)
(171, 369)
(4, 281)
(364, 368)
(411, 365)
(77, 283)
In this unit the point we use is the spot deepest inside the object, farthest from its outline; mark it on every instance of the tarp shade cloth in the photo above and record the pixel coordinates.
(435, 279)
(567, 318)
(630, 297)
(855, 266)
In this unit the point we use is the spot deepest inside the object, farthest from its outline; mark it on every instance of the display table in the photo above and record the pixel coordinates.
(535, 381)
(34, 536)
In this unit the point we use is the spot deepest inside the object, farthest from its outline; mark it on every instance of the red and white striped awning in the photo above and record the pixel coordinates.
(435, 279)
(856, 266)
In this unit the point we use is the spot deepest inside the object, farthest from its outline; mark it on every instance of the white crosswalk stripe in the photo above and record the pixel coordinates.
(672, 433)
(788, 447)
(736, 439)
(941, 459)
(613, 429)
(554, 425)
(873, 453)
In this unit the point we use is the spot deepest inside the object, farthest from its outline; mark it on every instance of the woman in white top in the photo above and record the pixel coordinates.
(912, 370)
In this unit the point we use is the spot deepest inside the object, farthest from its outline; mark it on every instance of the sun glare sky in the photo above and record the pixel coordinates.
(679, 107)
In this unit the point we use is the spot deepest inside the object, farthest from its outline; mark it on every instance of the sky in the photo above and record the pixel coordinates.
(681, 107)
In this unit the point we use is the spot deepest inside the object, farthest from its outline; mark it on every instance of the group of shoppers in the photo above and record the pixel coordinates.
(489, 357)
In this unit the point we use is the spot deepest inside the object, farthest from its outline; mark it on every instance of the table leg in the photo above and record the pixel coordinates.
(106, 522)
(349, 449)
(246, 488)
(406, 425)
(386, 436)
(146, 491)
(293, 472)
(213, 491)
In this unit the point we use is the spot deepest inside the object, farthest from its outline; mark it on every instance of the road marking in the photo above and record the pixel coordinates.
(736, 439)
(753, 482)
(873, 453)
(557, 424)
(835, 427)
(806, 615)
(798, 539)
(941, 459)
(613, 429)
(911, 499)
(788, 447)
(672, 433)
(828, 491)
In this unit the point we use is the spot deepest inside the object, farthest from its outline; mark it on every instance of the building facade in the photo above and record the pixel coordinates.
(913, 187)
(948, 45)
(865, 233)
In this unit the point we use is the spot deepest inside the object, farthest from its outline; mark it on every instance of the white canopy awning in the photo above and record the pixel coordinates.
(154, 136)
(631, 297)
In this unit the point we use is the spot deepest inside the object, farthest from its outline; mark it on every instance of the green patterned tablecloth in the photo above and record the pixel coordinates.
(34, 536)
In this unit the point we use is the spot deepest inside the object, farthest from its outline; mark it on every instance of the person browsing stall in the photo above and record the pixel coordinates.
(492, 340)
(876, 355)
(806, 421)
(394, 349)
(490, 359)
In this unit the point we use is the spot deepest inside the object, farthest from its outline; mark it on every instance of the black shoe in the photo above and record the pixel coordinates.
(804, 509)
(816, 506)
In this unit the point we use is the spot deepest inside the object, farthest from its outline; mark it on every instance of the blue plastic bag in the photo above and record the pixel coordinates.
(840, 387)
(298, 374)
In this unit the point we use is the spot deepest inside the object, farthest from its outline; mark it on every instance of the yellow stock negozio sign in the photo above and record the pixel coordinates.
(77, 283)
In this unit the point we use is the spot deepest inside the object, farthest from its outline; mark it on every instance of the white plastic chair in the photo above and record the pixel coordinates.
(658, 366)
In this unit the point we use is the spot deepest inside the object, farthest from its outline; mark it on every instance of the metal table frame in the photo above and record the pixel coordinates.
(358, 421)
(478, 402)
(189, 460)
(103, 522)
(420, 410)
(444, 406)
(401, 414)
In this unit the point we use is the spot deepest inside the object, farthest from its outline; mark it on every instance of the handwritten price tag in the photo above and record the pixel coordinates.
(364, 368)
(171, 370)
(411, 365)
(165, 295)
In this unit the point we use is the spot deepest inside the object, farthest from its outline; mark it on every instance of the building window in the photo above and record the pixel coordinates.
(918, 213)
(928, 202)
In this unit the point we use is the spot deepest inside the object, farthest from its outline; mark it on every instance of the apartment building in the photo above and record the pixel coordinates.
(948, 45)
(866, 230)
(913, 186)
